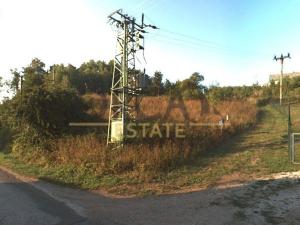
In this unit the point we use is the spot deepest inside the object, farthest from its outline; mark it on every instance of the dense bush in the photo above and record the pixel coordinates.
(5, 138)
(49, 112)
(217, 93)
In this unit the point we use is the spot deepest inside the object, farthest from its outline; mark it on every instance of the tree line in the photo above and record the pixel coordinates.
(50, 99)
(96, 77)
(45, 101)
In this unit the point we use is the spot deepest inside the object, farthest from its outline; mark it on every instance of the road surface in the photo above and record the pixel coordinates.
(21, 203)
(264, 202)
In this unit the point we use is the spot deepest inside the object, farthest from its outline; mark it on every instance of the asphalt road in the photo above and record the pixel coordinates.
(21, 203)
(33, 203)
(274, 201)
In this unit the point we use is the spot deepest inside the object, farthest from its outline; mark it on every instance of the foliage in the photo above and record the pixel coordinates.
(34, 74)
(156, 85)
(8, 112)
(216, 93)
(50, 111)
(96, 77)
(16, 81)
(40, 112)
(90, 77)
(86, 161)
(2, 84)
(5, 137)
(192, 87)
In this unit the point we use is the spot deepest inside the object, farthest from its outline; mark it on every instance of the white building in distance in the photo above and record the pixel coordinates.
(276, 77)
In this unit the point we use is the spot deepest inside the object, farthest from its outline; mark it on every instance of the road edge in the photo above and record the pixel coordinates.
(39, 185)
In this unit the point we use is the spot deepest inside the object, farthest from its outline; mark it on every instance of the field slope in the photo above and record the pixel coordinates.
(257, 152)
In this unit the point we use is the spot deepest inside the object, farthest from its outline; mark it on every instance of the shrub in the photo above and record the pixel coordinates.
(49, 112)
(5, 138)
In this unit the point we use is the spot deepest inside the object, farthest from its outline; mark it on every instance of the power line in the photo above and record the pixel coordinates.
(196, 41)
(200, 45)
(189, 37)
(187, 45)
(139, 5)
(142, 5)
(156, 3)
(185, 35)
(183, 40)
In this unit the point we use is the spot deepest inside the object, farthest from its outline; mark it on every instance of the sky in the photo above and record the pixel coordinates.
(230, 42)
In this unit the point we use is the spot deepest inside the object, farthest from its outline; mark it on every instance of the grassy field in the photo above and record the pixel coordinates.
(256, 152)
(196, 110)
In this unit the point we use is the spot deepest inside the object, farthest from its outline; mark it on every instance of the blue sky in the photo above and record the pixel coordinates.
(230, 42)
(246, 34)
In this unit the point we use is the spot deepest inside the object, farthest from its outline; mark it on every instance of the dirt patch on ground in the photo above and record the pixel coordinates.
(232, 180)
(272, 200)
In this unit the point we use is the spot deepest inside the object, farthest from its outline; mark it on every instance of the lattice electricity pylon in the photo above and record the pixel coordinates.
(125, 89)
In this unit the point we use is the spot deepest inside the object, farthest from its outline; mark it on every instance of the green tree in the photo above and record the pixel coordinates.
(168, 86)
(1, 85)
(34, 74)
(192, 87)
(96, 76)
(15, 82)
(157, 83)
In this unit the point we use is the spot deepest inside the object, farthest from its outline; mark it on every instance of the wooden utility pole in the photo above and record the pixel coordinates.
(281, 58)
(21, 91)
(53, 75)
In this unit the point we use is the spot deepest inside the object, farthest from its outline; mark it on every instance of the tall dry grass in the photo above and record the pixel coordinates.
(156, 108)
(90, 152)
(147, 157)
(155, 155)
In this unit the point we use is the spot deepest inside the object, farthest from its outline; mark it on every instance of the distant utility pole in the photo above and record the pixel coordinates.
(53, 75)
(281, 58)
(21, 92)
(21, 89)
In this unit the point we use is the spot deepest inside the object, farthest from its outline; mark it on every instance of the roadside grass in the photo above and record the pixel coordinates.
(68, 175)
(256, 152)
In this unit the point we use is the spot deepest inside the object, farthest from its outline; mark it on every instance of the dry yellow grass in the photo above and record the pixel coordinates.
(146, 157)
(157, 164)
(155, 108)
(90, 152)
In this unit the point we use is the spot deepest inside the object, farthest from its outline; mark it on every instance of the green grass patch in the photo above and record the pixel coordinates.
(68, 175)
